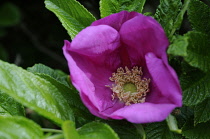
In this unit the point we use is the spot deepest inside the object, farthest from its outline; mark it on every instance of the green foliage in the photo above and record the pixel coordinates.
(200, 131)
(179, 46)
(195, 86)
(34, 92)
(69, 93)
(69, 130)
(9, 15)
(160, 131)
(199, 16)
(72, 15)
(108, 7)
(19, 128)
(96, 130)
(167, 14)
(9, 106)
(182, 115)
(202, 111)
(41, 69)
(198, 50)
(125, 129)
(193, 46)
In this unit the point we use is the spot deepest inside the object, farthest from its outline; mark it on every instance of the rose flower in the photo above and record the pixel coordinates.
(119, 66)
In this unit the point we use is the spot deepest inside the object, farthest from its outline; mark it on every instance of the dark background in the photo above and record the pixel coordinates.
(36, 35)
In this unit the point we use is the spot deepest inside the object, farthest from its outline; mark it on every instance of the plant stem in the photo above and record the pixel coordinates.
(179, 17)
(51, 130)
(172, 124)
(56, 136)
(140, 130)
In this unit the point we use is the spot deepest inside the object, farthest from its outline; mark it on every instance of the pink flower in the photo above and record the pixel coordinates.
(119, 66)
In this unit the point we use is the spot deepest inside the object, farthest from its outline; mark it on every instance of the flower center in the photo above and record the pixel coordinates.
(129, 87)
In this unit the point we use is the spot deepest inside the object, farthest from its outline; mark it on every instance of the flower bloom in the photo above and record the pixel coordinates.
(119, 66)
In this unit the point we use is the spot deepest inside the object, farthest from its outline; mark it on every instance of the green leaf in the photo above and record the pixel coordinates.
(96, 130)
(199, 16)
(10, 106)
(195, 85)
(178, 46)
(73, 16)
(193, 46)
(70, 94)
(167, 13)
(202, 111)
(3, 112)
(172, 124)
(160, 131)
(69, 130)
(200, 131)
(9, 15)
(198, 51)
(19, 128)
(55, 74)
(34, 92)
(108, 7)
(124, 129)
(182, 115)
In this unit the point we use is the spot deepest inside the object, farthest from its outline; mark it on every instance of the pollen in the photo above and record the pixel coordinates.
(129, 86)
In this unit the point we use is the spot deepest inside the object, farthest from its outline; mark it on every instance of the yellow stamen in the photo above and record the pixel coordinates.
(129, 87)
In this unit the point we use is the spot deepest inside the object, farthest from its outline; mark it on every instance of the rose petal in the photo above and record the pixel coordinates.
(143, 34)
(115, 20)
(144, 112)
(168, 86)
(95, 41)
(85, 63)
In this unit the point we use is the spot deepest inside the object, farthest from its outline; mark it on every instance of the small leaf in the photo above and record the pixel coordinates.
(202, 111)
(73, 16)
(9, 14)
(200, 131)
(172, 124)
(10, 106)
(96, 130)
(108, 7)
(167, 14)
(160, 131)
(69, 130)
(19, 128)
(179, 46)
(199, 16)
(34, 92)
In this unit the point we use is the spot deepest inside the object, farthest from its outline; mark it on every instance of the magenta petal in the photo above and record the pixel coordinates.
(143, 34)
(96, 40)
(115, 20)
(166, 82)
(86, 57)
(144, 112)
